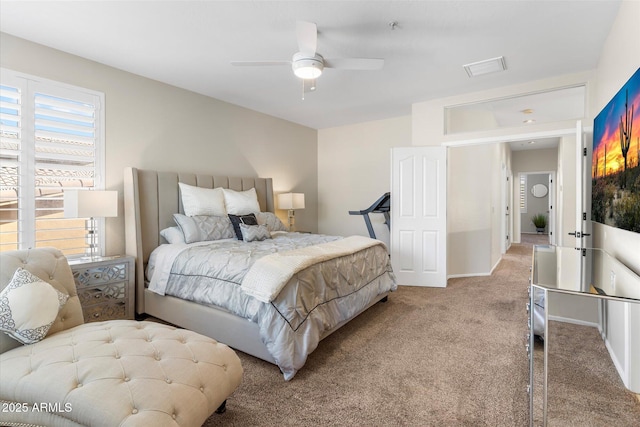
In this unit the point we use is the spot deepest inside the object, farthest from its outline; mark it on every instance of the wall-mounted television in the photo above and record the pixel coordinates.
(615, 163)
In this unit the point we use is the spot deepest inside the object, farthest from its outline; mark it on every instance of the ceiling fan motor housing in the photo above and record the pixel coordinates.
(307, 67)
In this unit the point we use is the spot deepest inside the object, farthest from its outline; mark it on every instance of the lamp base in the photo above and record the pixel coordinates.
(91, 239)
(292, 220)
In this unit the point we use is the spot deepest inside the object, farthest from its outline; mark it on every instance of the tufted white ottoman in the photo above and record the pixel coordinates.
(114, 373)
(121, 373)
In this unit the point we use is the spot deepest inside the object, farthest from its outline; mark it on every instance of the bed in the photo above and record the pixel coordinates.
(274, 299)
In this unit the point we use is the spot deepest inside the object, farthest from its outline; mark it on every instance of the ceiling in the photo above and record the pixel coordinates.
(190, 44)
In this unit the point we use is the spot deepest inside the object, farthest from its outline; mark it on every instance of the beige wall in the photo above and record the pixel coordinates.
(156, 126)
(498, 161)
(545, 160)
(469, 190)
(354, 170)
(474, 207)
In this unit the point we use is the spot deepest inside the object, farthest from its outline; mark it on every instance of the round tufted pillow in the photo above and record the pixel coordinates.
(119, 373)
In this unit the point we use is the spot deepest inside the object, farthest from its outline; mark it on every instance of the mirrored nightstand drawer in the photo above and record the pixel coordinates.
(100, 312)
(105, 287)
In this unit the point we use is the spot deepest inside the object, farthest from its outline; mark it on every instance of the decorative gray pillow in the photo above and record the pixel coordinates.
(172, 235)
(236, 220)
(254, 232)
(28, 307)
(204, 227)
(272, 222)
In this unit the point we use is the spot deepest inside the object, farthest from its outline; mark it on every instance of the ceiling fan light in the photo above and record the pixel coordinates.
(306, 72)
(307, 68)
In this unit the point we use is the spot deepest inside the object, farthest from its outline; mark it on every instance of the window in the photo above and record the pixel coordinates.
(51, 140)
(523, 193)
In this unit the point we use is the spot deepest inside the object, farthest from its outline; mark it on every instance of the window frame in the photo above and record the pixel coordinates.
(29, 85)
(523, 193)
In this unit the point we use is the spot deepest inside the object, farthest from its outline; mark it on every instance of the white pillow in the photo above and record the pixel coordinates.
(28, 307)
(202, 201)
(241, 202)
(172, 235)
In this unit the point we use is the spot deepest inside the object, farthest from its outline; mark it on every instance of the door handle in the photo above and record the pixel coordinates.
(578, 235)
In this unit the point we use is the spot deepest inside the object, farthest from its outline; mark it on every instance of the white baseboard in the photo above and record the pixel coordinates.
(602, 334)
(619, 367)
(456, 276)
(483, 274)
(575, 321)
(495, 265)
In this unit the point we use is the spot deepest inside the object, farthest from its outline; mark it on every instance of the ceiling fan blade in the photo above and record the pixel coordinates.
(258, 63)
(355, 63)
(307, 34)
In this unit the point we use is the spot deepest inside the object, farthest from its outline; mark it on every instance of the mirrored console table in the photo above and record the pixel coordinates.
(586, 272)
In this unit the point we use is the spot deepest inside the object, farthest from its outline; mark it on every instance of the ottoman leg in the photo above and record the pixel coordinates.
(222, 408)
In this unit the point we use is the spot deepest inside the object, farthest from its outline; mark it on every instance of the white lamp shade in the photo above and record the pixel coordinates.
(291, 201)
(90, 204)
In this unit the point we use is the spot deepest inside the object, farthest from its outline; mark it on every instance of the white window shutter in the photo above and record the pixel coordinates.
(10, 146)
(60, 148)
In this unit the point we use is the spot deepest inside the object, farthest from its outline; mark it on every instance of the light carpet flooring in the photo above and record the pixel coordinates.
(439, 357)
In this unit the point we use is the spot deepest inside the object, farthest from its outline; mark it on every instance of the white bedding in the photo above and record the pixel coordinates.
(313, 300)
(268, 275)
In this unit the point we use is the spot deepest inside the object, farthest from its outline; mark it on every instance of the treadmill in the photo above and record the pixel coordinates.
(383, 206)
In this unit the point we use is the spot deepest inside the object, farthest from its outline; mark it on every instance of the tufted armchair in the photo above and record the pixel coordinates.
(113, 373)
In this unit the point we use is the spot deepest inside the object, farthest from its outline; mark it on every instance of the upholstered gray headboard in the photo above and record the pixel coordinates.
(152, 197)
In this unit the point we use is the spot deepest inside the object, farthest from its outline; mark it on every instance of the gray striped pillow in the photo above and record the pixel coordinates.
(254, 232)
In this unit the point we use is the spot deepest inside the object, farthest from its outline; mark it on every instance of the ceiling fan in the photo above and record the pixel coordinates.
(308, 64)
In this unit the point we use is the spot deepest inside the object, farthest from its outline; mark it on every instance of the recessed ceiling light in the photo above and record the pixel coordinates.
(532, 142)
(528, 121)
(527, 111)
(487, 66)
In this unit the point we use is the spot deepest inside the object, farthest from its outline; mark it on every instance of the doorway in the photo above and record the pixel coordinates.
(536, 200)
(549, 152)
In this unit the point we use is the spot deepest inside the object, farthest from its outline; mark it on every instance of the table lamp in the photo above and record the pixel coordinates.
(90, 204)
(291, 202)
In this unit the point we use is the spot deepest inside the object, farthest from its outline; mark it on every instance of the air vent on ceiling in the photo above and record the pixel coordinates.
(487, 66)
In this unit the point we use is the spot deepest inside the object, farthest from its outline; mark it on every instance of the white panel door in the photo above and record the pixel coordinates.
(419, 215)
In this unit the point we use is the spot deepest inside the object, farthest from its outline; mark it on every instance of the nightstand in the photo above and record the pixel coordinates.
(105, 287)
